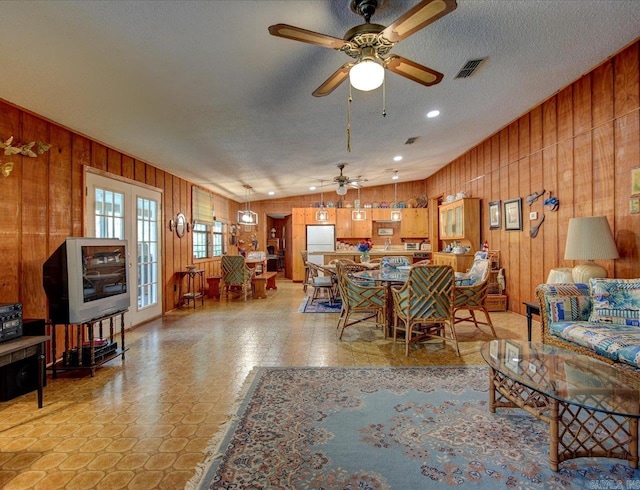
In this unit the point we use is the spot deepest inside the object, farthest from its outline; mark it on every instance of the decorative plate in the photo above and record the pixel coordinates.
(384, 204)
(375, 204)
(412, 203)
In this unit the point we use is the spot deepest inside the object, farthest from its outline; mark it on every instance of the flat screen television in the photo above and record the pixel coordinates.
(85, 279)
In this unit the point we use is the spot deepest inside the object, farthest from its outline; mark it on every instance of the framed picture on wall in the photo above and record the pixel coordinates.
(513, 214)
(494, 215)
(635, 181)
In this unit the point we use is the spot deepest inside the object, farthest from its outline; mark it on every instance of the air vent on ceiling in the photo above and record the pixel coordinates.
(468, 68)
(411, 140)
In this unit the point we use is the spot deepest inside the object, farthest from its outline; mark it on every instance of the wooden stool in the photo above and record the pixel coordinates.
(213, 290)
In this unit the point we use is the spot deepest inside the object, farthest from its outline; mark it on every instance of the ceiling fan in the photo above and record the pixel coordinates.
(369, 43)
(343, 180)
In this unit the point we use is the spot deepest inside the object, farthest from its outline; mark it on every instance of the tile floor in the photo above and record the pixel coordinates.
(144, 423)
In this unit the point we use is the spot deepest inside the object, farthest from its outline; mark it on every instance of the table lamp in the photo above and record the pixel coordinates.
(589, 239)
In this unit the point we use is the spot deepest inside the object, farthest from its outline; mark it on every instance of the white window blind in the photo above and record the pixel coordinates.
(202, 206)
(221, 206)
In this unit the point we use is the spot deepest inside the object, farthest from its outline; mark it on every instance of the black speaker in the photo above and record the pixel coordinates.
(33, 326)
(18, 378)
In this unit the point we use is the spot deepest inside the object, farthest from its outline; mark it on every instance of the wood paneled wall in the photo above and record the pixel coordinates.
(41, 203)
(580, 145)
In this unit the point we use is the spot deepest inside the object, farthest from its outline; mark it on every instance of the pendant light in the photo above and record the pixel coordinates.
(247, 217)
(322, 214)
(396, 213)
(358, 214)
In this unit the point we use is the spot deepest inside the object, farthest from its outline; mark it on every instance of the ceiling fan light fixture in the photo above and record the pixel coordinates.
(341, 190)
(366, 75)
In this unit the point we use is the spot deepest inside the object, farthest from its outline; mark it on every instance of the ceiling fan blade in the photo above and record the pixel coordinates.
(418, 17)
(331, 83)
(412, 70)
(305, 36)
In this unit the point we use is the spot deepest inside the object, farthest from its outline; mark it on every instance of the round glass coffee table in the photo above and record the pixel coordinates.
(592, 408)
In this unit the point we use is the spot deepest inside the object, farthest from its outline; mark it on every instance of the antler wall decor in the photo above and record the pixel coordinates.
(26, 149)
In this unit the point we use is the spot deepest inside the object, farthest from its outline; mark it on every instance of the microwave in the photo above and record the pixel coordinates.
(412, 246)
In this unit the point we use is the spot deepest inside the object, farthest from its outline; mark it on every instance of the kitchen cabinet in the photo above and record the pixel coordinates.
(310, 216)
(415, 223)
(347, 228)
(460, 221)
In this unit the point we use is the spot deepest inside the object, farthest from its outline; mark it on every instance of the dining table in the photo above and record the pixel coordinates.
(388, 277)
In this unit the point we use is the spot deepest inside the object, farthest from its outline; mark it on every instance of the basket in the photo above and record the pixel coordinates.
(496, 302)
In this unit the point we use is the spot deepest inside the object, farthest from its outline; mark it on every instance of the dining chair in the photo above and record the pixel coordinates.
(305, 262)
(393, 262)
(470, 295)
(235, 273)
(360, 299)
(424, 305)
(322, 279)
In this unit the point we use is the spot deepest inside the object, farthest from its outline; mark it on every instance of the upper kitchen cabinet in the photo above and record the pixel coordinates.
(346, 227)
(310, 216)
(415, 223)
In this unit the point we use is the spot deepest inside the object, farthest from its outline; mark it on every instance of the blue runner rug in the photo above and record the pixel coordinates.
(383, 428)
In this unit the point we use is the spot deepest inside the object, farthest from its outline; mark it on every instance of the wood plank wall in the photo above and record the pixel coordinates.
(580, 145)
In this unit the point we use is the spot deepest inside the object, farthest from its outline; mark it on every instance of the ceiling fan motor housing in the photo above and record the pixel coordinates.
(365, 8)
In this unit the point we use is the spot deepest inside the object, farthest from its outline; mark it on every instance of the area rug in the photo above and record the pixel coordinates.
(319, 306)
(383, 428)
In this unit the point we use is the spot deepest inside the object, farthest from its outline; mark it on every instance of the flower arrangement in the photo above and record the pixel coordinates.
(365, 245)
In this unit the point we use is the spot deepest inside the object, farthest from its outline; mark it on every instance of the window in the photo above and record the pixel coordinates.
(218, 239)
(201, 241)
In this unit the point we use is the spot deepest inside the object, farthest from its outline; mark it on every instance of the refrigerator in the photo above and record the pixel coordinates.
(320, 238)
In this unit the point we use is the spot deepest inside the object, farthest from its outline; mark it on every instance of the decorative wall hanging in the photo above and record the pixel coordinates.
(551, 203)
(513, 214)
(181, 225)
(494, 215)
(26, 149)
(531, 198)
(533, 232)
(635, 181)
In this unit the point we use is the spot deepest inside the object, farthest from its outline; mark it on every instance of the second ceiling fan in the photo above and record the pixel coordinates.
(369, 43)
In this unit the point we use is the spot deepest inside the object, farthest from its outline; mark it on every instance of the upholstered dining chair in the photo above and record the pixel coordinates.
(470, 295)
(235, 273)
(360, 299)
(322, 279)
(394, 262)
(424, 305)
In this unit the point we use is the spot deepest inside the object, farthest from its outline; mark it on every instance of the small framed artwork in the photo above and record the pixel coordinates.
(512, 356)
(634, 205)
(513, 214)
(494, 349)
(494, 215)
(635, 181)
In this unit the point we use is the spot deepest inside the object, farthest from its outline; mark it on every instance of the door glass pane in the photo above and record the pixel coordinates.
(147, 246)
(109, 219)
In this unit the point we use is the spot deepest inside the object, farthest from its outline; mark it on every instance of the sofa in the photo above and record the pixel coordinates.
(601, 319)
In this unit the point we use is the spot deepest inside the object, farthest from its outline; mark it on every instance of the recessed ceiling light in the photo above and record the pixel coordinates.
(271, 193)
(312, 188)
(434, 113)
(397, 158)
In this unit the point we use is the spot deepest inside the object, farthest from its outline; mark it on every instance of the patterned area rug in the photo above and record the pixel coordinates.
(319, 306)
(382, 428)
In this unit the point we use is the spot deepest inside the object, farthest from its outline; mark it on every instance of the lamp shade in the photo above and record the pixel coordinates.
(366, 75)
(589, 239)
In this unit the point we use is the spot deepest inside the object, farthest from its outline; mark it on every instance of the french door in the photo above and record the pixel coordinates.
(123, 210)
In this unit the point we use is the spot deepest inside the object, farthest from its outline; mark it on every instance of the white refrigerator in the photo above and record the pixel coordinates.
(320, 238)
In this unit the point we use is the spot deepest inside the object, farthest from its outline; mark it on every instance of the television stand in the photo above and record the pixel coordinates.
(87, 352)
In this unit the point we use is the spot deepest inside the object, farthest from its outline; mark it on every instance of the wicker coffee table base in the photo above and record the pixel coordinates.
(574, 431)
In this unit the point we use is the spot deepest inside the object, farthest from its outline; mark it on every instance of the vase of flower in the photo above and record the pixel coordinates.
(364, 247)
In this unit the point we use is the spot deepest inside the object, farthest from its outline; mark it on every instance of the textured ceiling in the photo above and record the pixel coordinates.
(200, 88)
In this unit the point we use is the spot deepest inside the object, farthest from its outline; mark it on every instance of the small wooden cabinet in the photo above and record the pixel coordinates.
(460, 221)
(415, 223)
(459, 262)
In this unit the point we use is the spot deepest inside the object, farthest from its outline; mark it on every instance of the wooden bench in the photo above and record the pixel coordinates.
(262, 282)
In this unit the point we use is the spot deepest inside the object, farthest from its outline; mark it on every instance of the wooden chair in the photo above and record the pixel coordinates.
(235, 273)
(322, 279)
(470, 295)
(424, 304)
(358, 298)
(305, 261)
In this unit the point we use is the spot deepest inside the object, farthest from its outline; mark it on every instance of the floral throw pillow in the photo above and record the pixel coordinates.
(615, 301)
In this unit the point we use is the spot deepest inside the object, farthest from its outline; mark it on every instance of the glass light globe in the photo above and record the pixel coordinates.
(366, 75)
(341, 190)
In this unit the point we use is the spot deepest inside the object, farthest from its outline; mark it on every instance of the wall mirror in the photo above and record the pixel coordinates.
(181, 225)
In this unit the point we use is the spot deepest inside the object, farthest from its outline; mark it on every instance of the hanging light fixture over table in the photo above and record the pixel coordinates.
(358, 214)
(247, 217)
(396, 213)
(322, 214)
